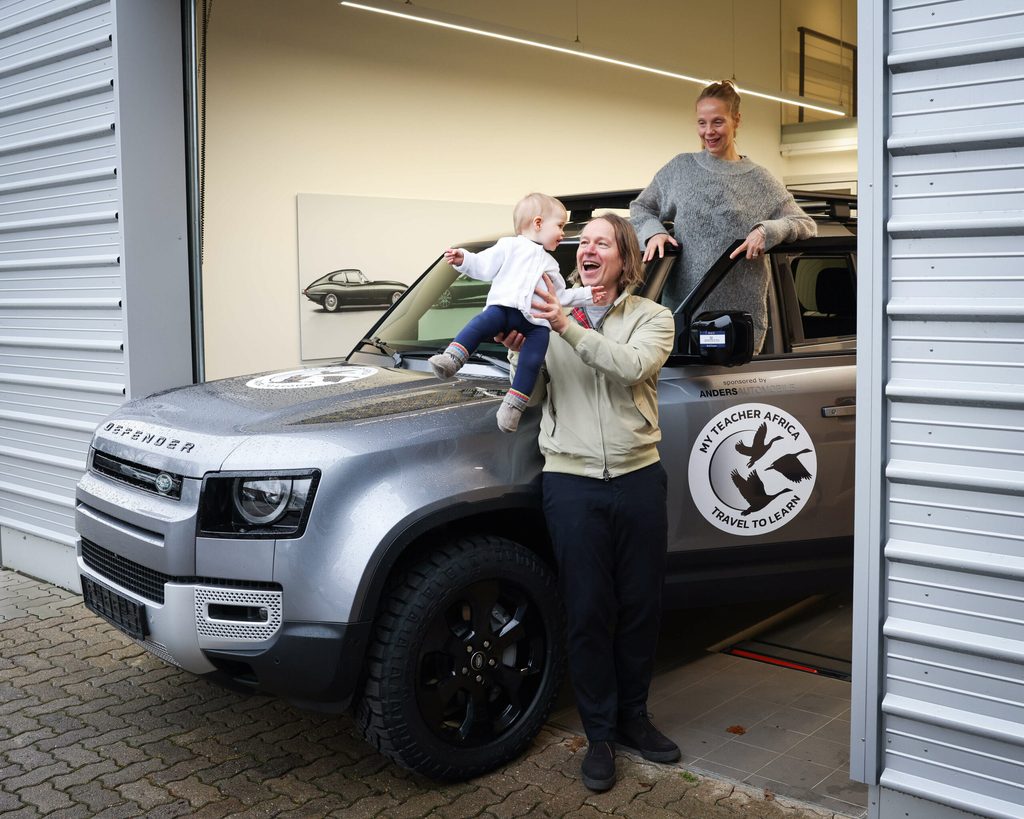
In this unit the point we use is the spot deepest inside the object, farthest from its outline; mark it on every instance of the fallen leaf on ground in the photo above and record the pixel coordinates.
(736, 729)
(575, 743)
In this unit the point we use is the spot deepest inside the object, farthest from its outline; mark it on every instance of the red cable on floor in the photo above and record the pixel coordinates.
(764, 658)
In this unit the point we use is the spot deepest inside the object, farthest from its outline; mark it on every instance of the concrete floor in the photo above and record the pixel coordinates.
(777, 729)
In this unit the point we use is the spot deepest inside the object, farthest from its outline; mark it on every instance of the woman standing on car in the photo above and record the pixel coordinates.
(714, 197)
(604, 491)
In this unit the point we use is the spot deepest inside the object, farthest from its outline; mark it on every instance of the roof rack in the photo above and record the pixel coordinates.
(581, 206)
(831, 203)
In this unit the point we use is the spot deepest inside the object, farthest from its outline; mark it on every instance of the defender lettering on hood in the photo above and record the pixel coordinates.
(141, 436)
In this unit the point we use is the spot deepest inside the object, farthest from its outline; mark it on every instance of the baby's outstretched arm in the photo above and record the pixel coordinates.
(578, 296)
(454, 256)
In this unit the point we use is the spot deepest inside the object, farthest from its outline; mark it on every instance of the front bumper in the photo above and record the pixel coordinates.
(313, 665)
(237, 635)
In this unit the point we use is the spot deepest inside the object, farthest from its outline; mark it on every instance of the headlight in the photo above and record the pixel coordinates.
(262, 502)
(256, 505)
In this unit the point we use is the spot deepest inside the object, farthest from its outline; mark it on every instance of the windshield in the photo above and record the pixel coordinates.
(441, 302)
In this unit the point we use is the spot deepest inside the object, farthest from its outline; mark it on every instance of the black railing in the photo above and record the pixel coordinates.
(806, 33)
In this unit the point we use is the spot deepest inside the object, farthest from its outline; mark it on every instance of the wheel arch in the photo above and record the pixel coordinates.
(517, 516)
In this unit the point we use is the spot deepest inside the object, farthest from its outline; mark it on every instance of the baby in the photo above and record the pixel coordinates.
(516, 265)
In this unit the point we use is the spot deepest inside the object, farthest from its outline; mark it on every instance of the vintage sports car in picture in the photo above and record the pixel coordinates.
(361, 535)
(464, 292)
(351, 288)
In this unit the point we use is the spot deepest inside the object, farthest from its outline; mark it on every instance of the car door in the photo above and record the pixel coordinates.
(760, 457)
(355, 292)
(370, 293)
(339, 286)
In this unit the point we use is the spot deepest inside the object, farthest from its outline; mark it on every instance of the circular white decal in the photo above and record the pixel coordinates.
(311, 377)
(752, 469)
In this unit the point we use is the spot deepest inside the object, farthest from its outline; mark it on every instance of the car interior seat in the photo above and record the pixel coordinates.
(835, 305)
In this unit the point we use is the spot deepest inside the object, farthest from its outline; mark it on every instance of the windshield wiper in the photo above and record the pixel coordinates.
(378, 344)
(501, 363)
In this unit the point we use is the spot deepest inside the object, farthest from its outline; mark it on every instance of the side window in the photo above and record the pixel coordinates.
(826, 294)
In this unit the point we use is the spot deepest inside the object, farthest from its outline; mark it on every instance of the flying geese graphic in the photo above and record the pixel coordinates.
(752, 489)
(790, 466)
(757, 449)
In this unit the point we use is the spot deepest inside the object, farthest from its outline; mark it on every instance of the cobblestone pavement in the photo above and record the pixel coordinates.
(92, 725)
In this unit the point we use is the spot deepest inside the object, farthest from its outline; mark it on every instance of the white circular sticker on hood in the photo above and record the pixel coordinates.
(311, 377)
(752, 469)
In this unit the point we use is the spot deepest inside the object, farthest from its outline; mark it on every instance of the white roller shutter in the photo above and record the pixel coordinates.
(61, 325)
(940, 718)
(68, 160)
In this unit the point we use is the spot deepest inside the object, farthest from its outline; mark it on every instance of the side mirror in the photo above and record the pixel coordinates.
(723, 338)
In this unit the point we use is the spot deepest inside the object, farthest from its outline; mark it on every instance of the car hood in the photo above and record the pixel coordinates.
(292, 400)
(193, 429)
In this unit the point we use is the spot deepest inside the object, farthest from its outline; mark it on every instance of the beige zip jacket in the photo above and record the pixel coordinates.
(600, 391)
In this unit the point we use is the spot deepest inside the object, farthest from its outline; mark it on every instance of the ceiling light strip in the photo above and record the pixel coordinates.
(420, 17)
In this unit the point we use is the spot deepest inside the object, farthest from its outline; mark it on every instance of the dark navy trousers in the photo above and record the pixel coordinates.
(610, 540)
(500, 319)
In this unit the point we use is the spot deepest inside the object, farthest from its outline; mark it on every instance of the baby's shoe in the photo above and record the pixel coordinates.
(511, 410)
(446, 364)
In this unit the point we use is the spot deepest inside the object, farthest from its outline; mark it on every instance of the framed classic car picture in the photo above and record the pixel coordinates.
(358, 254)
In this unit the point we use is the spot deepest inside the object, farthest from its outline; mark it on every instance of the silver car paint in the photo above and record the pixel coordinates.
(798, 385)
(421, 460)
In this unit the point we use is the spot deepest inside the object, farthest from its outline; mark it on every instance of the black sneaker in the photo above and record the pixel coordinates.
(640, 735)
(599, 766)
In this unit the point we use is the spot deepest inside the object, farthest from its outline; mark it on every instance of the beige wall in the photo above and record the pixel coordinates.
(309, 96)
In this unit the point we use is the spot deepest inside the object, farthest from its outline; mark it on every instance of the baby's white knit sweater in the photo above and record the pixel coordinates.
(516, 265)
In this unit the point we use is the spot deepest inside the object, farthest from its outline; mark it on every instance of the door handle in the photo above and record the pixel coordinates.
(835, 412)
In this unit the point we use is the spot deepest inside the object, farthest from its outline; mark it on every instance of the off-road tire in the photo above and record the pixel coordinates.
(416, 614)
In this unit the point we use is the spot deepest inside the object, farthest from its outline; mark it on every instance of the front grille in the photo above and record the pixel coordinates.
(126, 573)
(149, 583)
(146, 478)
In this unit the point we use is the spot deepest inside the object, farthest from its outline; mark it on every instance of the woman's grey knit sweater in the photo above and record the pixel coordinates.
(712, 202)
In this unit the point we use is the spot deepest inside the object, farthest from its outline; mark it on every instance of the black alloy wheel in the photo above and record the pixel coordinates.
(466, 660)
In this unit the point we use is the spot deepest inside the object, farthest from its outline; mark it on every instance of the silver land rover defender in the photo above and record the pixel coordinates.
(361, 535)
